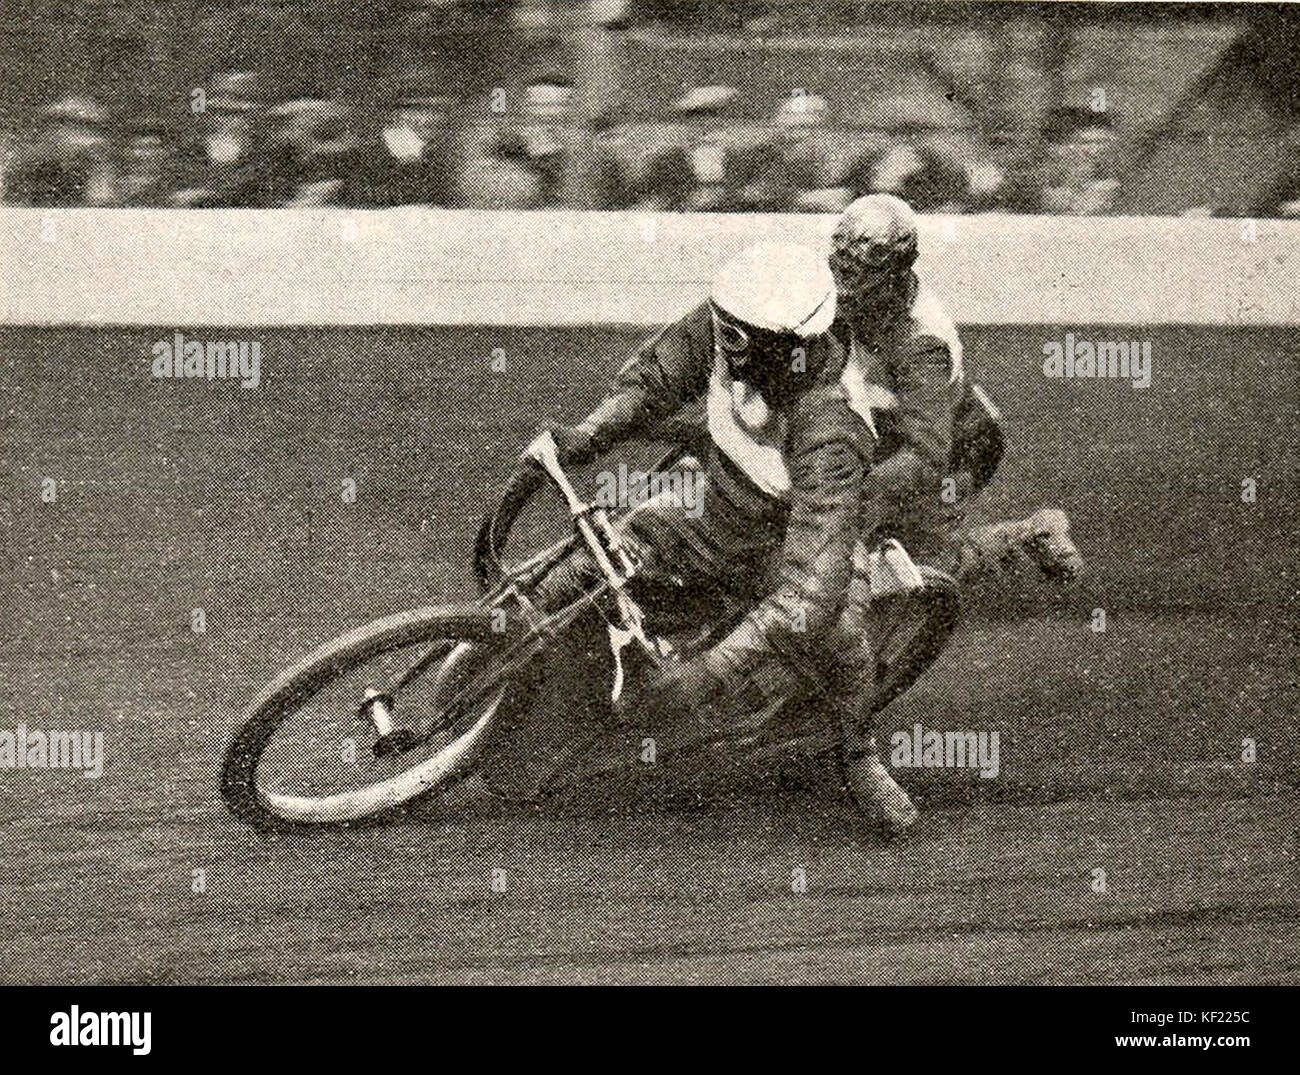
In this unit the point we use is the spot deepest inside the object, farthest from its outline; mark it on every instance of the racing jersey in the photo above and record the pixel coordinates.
(914, 379)
(803, 466)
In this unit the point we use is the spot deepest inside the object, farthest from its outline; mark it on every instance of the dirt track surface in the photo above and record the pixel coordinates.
(1121, 751)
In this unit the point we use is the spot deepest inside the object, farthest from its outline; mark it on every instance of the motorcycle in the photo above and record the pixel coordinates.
(402, 708)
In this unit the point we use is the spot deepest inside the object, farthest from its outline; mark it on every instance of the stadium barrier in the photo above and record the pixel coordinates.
(419, 266)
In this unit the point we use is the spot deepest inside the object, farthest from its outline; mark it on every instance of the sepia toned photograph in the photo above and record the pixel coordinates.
(649, 493)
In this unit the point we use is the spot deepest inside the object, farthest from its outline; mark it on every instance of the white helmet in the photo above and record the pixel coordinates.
(777, 287)
(768, 303)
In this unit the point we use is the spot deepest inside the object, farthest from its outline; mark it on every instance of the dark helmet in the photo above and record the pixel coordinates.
(873, 249)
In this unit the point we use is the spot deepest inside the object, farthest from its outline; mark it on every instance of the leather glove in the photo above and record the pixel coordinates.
(576, 445)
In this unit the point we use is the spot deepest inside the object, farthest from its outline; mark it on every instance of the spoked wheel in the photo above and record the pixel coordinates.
(911, 631)
(374, 720)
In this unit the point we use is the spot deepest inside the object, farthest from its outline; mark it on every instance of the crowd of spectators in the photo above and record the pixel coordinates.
(420, 147)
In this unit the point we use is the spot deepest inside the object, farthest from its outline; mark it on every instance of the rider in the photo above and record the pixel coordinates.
(791, 448)
(939, 436)
(940, 439)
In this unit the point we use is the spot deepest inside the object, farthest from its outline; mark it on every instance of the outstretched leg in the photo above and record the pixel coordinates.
(1041, 542)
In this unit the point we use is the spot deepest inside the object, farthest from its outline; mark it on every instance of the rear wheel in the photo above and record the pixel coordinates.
(911, 632)
(312, 750)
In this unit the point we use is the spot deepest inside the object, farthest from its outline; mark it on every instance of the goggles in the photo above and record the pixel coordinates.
(763, 358)
(734, 340)
(744, 344)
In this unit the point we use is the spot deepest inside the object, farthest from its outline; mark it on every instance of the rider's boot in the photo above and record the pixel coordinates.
(1042, 540)
(874, 791)
(1051, 547)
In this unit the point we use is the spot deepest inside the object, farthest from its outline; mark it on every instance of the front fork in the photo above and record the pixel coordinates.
(616, 561)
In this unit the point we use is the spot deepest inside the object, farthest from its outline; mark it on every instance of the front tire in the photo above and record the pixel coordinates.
(472, 653)
(910, 637)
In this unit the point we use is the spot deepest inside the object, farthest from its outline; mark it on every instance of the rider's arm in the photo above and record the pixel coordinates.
(923, 384)
(668, 371)
(924, 389)
(829, 454)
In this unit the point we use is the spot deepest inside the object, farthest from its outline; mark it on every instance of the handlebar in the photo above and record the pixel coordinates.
(687, 438)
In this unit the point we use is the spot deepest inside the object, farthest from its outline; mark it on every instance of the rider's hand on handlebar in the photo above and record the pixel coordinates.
(575, 445)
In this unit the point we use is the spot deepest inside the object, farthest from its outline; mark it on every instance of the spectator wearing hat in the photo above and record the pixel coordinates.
(410, 161)
(1079, 171)
(312, 156)
(225, 165)
(547, 132)
(801, 120)
(913, 170)
(502, 178)
(693, 175)
(524, 166)
(69, 163)
(788, 173)
(146, 157)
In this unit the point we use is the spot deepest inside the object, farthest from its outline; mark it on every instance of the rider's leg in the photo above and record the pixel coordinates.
(1041, 541)
(567, 581)
(873, 789)
(927, 525)
(731, 551)
(934, 533)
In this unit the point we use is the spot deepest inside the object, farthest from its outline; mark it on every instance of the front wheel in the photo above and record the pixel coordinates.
(309, 752)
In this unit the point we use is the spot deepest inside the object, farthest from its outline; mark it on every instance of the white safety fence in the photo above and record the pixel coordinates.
(440, 267)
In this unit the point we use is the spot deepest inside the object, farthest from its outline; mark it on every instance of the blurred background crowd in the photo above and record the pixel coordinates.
(709, 105)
